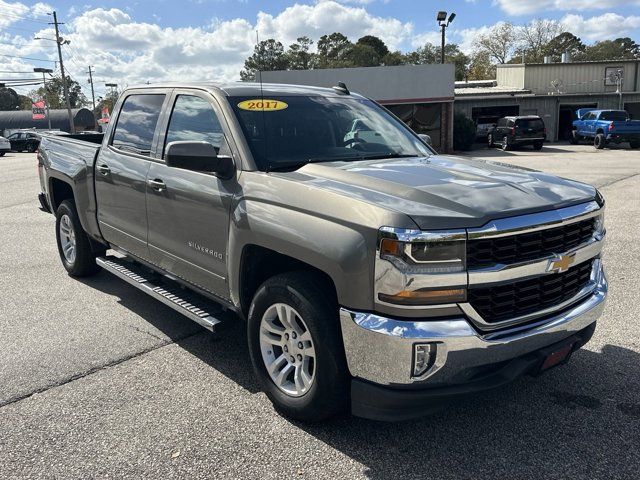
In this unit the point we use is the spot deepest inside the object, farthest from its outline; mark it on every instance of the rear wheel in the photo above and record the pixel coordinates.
(296, 348)
(599, 141)
(32, 148)
(73, 243)
(537, 145)
(505, 144)
(2, 154)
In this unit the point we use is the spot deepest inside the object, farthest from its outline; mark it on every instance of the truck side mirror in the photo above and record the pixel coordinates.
(199, 157)
(425, 138)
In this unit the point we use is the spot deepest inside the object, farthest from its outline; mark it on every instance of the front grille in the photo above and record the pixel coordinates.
(528, 246)
(504, 302)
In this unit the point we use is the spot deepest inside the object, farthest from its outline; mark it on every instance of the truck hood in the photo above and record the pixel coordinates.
(443, 192)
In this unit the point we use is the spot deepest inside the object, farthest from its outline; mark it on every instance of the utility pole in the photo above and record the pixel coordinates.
(93, 95)
(65, 87)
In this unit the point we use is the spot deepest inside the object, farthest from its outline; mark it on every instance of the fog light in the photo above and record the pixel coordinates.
(424, 356)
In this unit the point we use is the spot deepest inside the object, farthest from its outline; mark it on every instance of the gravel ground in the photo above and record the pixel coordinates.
(99, 381)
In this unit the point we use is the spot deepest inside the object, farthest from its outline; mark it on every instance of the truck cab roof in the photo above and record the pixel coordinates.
(252, 89)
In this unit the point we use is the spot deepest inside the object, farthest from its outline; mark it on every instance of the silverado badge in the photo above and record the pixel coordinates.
(561, 263)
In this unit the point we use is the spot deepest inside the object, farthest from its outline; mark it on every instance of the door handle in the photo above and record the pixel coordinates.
(103, 169)
(158, 185)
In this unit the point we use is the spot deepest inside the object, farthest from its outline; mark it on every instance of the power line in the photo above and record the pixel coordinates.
(27, 19)
(28, 58)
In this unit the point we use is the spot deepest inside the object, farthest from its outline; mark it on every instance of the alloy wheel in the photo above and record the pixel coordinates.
(67, 239)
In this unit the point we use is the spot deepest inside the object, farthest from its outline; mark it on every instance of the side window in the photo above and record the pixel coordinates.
(502, 122)
(193, 119)
(137, 123)
(511, 123)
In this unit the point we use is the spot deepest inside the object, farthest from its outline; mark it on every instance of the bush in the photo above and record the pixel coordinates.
(464, 132)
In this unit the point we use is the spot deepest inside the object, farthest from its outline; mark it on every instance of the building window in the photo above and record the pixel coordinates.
(421, 118)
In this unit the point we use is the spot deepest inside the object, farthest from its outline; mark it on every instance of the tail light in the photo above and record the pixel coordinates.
(611, 127)
(513, 130)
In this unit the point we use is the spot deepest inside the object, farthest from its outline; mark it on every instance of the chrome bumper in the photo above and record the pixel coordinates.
(380, 349)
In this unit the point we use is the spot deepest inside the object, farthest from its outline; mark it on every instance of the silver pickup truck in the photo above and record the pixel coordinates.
(374, 275)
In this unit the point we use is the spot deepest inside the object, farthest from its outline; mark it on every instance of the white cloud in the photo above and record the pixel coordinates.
(527, 7)
(601, 27)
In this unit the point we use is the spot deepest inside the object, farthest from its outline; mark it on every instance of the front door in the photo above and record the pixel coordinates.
(188, 211)
(121, 173)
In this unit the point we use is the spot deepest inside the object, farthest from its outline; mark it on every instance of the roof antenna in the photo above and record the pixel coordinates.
(341, 88)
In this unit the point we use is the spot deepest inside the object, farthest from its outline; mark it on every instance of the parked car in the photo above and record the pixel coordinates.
(5, 146)
(605, 126)
(517, 131)
(484, 125)
(24, 141)
(374, 275)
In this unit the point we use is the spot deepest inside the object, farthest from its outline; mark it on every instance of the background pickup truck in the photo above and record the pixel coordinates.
(372, 273)
(605, 126)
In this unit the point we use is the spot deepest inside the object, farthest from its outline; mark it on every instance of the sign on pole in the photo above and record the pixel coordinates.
(38, 110)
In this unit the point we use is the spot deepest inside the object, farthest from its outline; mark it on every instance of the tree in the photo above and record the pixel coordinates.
(55, 93)
(535, 36)
(565, 42)
(300, 58)
(481, 67)
(362, 55)
(267, 55)
(618, 49)
(429, 53)
(26, 103)
(498, 44)
(9, 99)
(395, 58)
(333, 51)
(376, 43)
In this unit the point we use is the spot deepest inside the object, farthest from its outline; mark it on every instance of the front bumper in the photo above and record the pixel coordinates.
(379, 350)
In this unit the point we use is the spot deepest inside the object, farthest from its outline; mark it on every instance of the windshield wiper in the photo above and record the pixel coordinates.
(389, 155)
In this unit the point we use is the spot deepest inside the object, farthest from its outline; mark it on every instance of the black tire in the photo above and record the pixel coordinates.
(2, 154)
(599, 141)
(32, 148)
(311, 297)
(575, 138)
(505, 144)
(490, 143)
(634, 145)
(537, 145)
(84, 263)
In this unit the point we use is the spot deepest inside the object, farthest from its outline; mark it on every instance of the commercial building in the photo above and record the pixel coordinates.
(554, 91)
(421, 95)
(22, 119)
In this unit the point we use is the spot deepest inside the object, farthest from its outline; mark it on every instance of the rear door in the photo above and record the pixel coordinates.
(121, 172)
(189, 214)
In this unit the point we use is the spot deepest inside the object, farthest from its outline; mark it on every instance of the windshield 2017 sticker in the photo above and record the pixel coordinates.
(262, 105)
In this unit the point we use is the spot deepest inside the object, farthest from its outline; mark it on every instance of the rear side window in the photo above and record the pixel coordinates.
(535, 123)
(137, 123)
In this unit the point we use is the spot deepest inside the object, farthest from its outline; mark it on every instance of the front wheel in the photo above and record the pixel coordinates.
(599, 141)
(575, 138)
(296, 346)
(490, 143)
(73, 244)
(2, 154)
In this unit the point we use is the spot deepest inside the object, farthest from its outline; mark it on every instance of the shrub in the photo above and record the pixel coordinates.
(464, 132)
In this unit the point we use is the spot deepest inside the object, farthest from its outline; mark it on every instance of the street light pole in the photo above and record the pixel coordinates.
(46, 97)
(444, 23)
(65, 87)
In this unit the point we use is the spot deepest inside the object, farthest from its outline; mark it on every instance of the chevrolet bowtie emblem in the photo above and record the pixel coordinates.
(562, 263)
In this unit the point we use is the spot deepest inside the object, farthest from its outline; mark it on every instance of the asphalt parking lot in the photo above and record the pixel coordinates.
(99, 381)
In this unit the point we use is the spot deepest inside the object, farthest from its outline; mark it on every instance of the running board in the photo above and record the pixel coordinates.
(190, 304)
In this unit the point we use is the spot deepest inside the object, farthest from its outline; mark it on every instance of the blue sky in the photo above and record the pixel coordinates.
(136, 41)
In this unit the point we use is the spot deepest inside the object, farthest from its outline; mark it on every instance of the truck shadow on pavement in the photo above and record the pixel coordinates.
(580, 420)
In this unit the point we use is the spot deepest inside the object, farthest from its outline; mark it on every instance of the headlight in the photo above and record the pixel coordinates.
(599, 224)
(417, 268)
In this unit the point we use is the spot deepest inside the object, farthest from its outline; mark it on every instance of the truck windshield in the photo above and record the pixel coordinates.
(614, 116)
(288, 132)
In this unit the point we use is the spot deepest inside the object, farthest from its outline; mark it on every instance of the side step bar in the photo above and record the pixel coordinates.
(190, 304)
